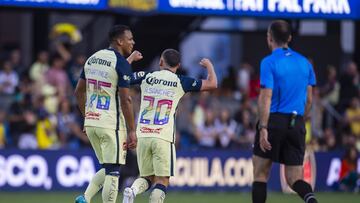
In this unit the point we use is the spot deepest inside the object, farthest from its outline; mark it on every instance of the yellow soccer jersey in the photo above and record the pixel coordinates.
(104, 72)
(161, 92)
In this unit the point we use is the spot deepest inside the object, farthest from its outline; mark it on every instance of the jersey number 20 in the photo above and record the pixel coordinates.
(160, 103)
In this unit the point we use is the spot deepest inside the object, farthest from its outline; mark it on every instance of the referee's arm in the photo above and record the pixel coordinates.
(267, 84)
(264, 103)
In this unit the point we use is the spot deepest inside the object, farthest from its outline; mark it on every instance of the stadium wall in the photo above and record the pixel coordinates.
(196, 171)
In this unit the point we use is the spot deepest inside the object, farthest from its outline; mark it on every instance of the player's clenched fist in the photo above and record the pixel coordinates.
(135, 56)
(206, 63)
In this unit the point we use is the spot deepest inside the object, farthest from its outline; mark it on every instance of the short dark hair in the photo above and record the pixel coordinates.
(280, 31)
(171, 57)
(116, 31)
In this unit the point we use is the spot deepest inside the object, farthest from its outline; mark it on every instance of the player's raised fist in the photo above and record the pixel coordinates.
(206, 63)
(137, 55)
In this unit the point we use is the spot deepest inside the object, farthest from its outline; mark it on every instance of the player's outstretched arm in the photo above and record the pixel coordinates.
(80, 94)
(211, 82)
(135, 56)
(127, 109)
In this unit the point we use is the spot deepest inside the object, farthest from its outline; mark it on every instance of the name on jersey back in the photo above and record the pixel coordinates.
(158, 91)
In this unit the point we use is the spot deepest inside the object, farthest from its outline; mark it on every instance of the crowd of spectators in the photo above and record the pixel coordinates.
(36, 101)
(38, 110)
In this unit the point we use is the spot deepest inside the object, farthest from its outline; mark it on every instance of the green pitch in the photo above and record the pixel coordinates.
(68, 197)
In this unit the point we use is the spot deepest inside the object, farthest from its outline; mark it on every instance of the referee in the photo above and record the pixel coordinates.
(286, 80)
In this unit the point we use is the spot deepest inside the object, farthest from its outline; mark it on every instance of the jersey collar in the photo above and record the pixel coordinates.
(280, 49)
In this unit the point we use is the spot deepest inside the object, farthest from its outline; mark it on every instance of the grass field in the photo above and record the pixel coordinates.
(57, 197)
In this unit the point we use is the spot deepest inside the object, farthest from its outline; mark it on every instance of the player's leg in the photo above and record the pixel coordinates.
(97, 181)
(142, 184)
(261, 171)
(95, 185)
(294, 178)
(111, 183)
(164, 161)
(159, 191)
(113, 156)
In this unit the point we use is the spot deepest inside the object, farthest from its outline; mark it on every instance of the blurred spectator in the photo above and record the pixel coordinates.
(331, 89)
(40, 67)
(349, 84)
(246, 105)
(8, 82)
(184, 123)
(206, 134)
(21, 119)
(352, 116)
(15, 60)
(45, 131)
(200, 108)
(8, 79)
(328, 140)
(27, 139)
(246, 130)
(348, 176)
(76, 69)
(58, 78)
(243, 78)
(254, 85)
(329, 93)
(314, 127)
(70, 132)
(225, 126)
(4, 130)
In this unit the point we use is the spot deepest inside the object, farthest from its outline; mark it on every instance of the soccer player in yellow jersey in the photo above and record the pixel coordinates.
(161, 92)
(103, 98)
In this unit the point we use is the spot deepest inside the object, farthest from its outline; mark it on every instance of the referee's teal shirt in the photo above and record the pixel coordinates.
(288, 74)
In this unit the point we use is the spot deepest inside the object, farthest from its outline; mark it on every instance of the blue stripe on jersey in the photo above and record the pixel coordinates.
(117, 146)
(174, 127)
(172, 160)
(123, 69)
(117, 109)
(117, 125)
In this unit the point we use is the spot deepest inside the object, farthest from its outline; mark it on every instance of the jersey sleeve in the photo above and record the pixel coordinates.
(138, 77)
(266, 74)
(190, 84)
(82, 75)
(312, 78)
(124, 72)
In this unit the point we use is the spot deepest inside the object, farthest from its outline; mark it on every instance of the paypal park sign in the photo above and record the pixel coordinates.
(314, 9)
(333, 9)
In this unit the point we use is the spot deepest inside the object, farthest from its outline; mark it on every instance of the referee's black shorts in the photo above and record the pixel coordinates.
(287, 142)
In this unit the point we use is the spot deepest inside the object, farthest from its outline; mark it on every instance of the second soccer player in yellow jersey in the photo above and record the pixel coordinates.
(161, 92)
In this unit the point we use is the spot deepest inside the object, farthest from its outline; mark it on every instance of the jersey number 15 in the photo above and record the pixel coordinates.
(99, 95)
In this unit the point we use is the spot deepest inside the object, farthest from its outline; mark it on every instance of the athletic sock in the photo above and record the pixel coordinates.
(95, 185)
(158, 194)
(259, 192)
(140, 185)
(110, 190)
(305, 191)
